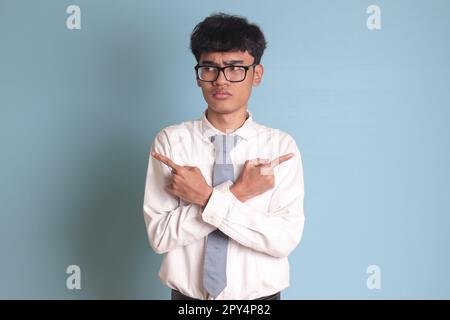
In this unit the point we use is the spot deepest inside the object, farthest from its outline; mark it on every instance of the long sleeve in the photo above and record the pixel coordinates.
(275, 232)
(168, 223)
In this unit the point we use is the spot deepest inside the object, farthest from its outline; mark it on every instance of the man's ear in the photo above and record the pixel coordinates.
(258, 73)
(198, 81)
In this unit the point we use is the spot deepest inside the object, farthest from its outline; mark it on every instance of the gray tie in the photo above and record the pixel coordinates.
(215, 264)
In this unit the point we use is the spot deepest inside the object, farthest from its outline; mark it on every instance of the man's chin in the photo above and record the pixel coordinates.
(222, 108)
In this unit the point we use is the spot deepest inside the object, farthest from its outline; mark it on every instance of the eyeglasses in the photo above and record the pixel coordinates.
(231, 73)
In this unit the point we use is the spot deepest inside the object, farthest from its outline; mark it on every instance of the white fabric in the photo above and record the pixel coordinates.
(263, 230)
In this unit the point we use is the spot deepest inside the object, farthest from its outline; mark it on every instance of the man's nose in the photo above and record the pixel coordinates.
(221, 79)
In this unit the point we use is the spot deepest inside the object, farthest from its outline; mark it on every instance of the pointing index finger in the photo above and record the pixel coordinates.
(165, 160)
(281, 159)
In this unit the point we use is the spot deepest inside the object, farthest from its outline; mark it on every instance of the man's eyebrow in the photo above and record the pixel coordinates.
(227, 63)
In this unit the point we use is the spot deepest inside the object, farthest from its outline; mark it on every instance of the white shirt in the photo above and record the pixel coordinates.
(262, 231)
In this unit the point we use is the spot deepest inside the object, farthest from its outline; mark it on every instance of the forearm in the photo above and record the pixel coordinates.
(275, 232)
(169, 222)
(178, 227)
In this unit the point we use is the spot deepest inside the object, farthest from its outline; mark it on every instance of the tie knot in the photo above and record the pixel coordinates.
(225, 143)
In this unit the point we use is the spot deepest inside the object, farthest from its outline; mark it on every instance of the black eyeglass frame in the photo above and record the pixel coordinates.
(222, 69)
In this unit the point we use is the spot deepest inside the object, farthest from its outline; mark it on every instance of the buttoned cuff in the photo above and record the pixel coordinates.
(218, 204)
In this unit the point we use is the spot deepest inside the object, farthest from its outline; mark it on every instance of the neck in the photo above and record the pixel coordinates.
(227, 122)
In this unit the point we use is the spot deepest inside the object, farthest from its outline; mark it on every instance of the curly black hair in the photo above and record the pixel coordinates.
(223, 32)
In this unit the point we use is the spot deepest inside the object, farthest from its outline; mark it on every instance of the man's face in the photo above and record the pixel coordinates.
(222, 95)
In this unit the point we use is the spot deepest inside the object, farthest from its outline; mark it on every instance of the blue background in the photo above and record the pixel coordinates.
(369, 111)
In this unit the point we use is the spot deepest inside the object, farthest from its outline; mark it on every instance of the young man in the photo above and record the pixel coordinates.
(224, 194)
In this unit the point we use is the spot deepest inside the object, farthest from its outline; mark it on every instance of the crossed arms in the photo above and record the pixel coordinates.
(275, 232)
(189, 184)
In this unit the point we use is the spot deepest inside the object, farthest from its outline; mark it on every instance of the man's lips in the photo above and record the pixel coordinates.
(221, 94)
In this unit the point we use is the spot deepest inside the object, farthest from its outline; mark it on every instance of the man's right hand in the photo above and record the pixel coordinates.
(257, 177)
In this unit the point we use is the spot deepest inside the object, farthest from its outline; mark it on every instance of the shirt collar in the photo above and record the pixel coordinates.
(246, 131)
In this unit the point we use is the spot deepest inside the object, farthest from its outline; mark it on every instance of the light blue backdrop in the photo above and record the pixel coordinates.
(369, 110)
